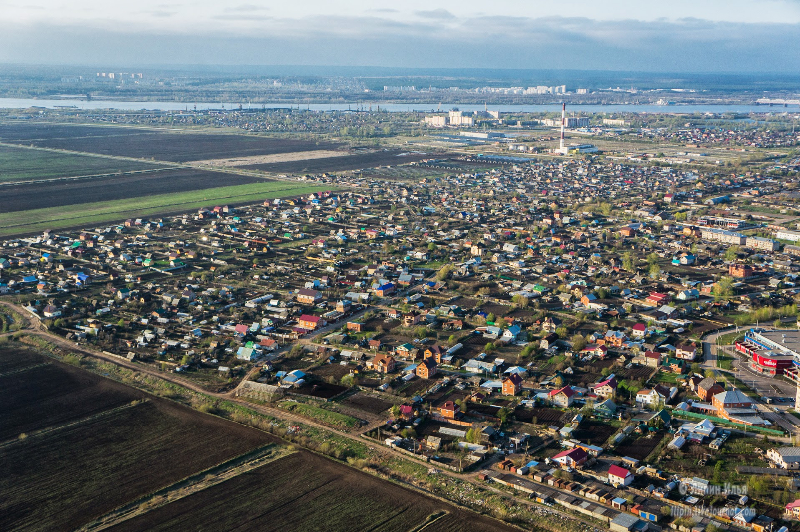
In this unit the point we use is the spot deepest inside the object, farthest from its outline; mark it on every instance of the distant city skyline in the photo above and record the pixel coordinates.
(678, 36)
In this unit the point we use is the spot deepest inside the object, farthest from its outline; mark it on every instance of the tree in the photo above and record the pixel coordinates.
(444, 272)
(431, 246)
(652, 258)
(473, 435)
(627, 261)
(578, 342)
(503, 414)
(395, 411)
(732, 252)
(491, 317)
(561, 332)
(452, 339)
(655, 271)
(680, 216)
(605, 372)
(489, 348)
(723, 288)
(558, 381)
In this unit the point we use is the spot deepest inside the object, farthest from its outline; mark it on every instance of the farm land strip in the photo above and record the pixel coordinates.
(176, 146)
(25, 164)
(72, 215)
(91, 466)
(54, 193)
(312, 487)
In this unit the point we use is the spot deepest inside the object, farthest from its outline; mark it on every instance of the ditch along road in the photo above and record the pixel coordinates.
(35, 327)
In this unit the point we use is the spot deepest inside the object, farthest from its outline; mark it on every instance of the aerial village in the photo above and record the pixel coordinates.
(614, 339)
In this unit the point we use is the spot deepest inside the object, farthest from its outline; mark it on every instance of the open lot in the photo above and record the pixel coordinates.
(639, 448)
(304, 492)
(338, 164)
(55, 193)
(24, 164)
(170, 145)
(81, 463)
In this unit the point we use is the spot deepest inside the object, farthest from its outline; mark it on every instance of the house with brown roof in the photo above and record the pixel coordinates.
(512, 384)
(307, 296)
(562, 397)
(383, 363)
(687, 351)
(426, 369)
(708, 388)
(435, 352)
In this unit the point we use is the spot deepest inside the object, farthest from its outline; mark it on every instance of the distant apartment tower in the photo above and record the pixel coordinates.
(616, 122)
(570, 122)
(458, 119)
(582, 91)
(787, 235)
(436, 120)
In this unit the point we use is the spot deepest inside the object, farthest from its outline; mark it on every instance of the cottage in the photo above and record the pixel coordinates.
(426, 369)
(619, 476)
(512, 384)
(562, 397)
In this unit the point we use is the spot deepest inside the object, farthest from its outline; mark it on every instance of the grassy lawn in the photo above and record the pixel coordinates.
(108, 211)
(22, 164)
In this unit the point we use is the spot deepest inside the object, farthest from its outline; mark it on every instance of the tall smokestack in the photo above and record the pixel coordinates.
(563, 122)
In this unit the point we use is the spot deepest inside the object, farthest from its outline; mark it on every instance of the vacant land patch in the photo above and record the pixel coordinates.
(274, 158)
(639, 448)
(338, 164)
(86, 464)
(304, 492)
(24, 164)
(56, 193)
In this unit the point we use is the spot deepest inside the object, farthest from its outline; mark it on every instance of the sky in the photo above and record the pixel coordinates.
(640, 35)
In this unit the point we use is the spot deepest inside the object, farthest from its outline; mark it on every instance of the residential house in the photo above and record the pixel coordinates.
(307, 296)
(574, 457)
(512, 384)
(426, 369)
(308, 322)
(686, 351)
(619, 476)
(708, 388)
(785, 457)
(562, 397)
(606, 389)
(383, 363)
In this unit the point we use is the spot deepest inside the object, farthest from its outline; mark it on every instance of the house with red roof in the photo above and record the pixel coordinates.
(619, 476)
(562, 397)
(309, 322)
(793, 509)
(574, 457)
(639, 330)
(657, 299)
(606, 389)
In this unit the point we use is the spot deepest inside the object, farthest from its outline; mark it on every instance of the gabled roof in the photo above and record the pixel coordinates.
(618, 471)
(566, 390)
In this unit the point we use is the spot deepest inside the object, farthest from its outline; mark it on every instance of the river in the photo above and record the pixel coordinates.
(23, 103)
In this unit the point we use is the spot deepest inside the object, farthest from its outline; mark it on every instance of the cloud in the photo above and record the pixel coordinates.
(685, 45)
(436, 14)
(245, 8)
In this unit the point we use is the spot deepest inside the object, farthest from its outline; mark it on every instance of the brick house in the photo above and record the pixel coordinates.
(309, 322)
(426, 369)
(512, 384)
(307, 296)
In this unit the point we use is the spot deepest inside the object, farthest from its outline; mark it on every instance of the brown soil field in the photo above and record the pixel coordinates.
(23, 131)
(166, 146)
(304, 492)
(639, 448)
(49, 395)
(320, 389)
(543, 415)
(593, 431)
(86, 462)
(339, 164)
(55, 193)
(639, 373)
(368, 403)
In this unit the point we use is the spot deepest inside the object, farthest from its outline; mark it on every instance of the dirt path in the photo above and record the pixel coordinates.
(273, 158)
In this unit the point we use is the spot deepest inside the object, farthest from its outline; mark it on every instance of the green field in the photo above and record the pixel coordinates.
(89, 214)
(23, 164)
